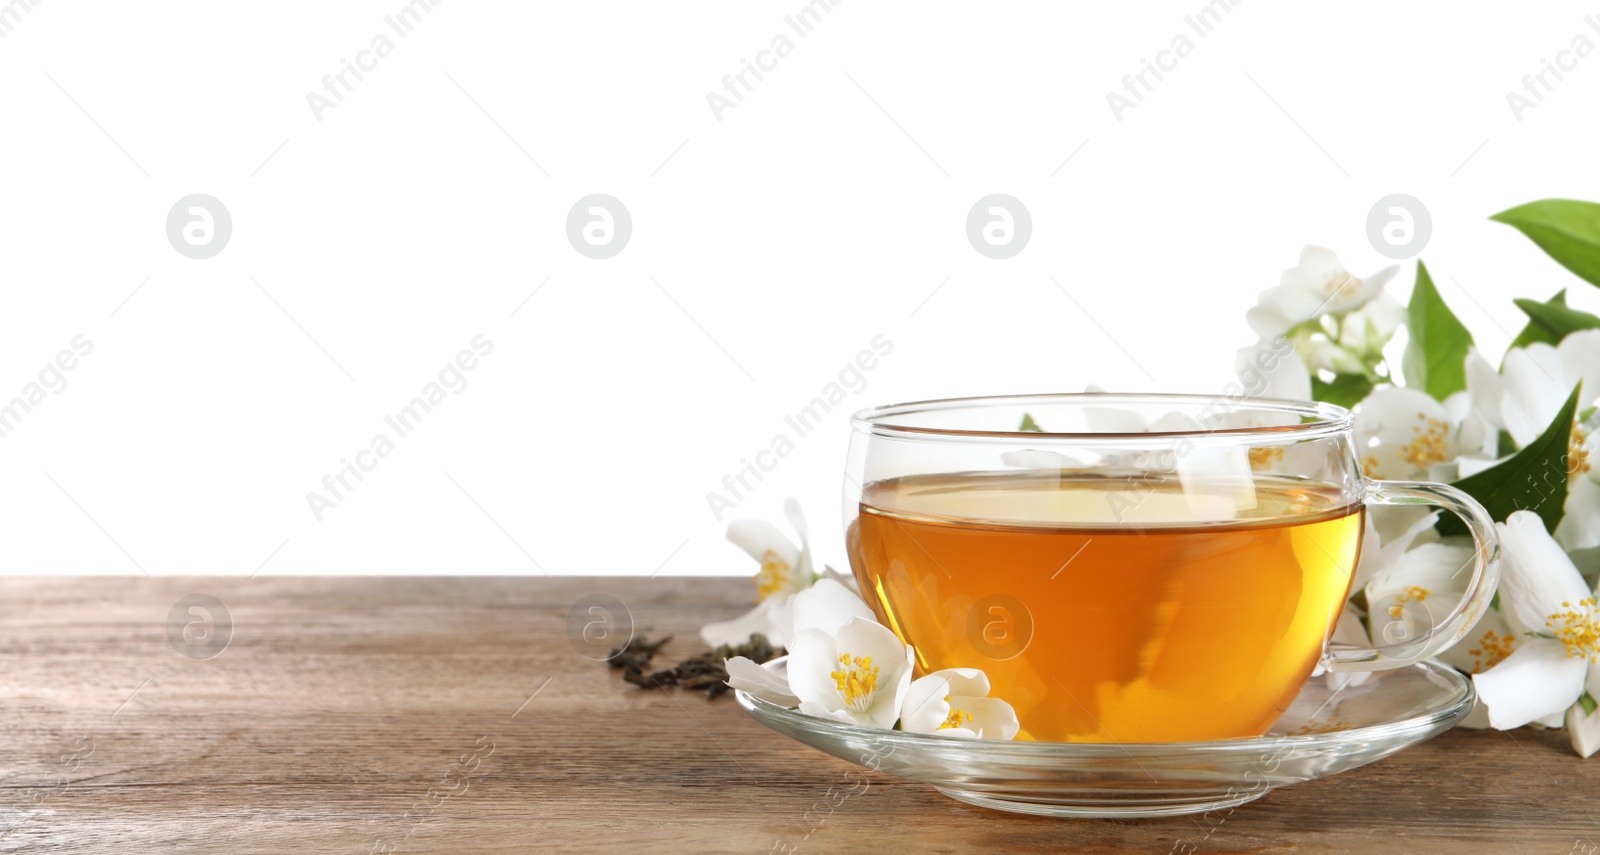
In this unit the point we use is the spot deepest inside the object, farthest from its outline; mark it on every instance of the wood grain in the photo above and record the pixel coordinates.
(339, 703)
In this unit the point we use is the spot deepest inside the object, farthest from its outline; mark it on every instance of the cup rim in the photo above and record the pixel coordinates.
(1318, 417)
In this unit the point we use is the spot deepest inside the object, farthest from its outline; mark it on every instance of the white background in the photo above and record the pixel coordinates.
(822, 211)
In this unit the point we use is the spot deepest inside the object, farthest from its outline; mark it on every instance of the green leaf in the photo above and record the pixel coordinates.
(1588, 703)
(1554, 319)
(1028, 424)
(1435, 360)
(1566, 229)
(1533, 479)
(1533, 332)
(1345, 390)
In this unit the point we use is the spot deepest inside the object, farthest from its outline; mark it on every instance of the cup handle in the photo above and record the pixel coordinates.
(1397, 623)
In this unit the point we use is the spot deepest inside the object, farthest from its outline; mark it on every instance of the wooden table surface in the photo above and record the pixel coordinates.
(457, 714)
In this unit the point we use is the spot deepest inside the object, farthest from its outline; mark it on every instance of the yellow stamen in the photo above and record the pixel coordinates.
(1429, 446)
(1369, 466)
(1264, 457)
(957, 717)
(1413, 594)
(1578, 628)
(1578, 457)
(774, 575)
(1416, 593)
(856, 680)
(1492, 649)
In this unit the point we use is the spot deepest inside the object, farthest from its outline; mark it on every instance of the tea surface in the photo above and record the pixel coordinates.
(1104, 615)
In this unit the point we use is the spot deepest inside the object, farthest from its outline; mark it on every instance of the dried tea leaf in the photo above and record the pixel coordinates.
(704, 670)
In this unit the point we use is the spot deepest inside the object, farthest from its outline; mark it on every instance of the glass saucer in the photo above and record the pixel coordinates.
(1324, 732)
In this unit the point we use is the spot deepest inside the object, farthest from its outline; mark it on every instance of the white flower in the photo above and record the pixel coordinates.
(956, 702)
(1402, 434)
(1355, 344)
(1526, 395)
(1318, 286)
(1423, 585)
(1557, 655)
(843, 664)
(785, 570)
(1409, 578)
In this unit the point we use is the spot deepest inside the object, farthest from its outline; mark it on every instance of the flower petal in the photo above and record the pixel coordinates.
(1534, 391)
(1580, 527)
(771, 617)
(1478, 648)
(812, 658)
(1377, 321)
(926, 705)
(966, 681)
(756, 537)
(848, 581)
(813, 708)
(1267, 320)
(1553, 720)
(1317, 263)
(1382, 527)
(866, 638)
(1537, 679)
(1486, 387)
(800, 579)
(1321, 285)
(1432, 568)
(1466, 467)
(748, 675)
(992, 718)
(796, 517)
(1420, 529)
(1536, 576)
(1584, 730)
(1475, 436)
(1376, 281)
(827, 606)
(1415, 593)
(1579, 353)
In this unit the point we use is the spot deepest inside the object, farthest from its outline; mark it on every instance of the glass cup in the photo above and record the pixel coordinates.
(1136, 568)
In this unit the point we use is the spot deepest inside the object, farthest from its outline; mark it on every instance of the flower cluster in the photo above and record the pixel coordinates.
(843, 664)
(1520, 438)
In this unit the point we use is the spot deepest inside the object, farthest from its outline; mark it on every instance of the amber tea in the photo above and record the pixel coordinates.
(1104, 615)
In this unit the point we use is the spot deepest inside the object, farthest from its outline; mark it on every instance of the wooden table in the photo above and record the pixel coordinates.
(456, 714)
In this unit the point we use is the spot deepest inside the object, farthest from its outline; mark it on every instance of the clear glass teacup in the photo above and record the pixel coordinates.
(1140, 568)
